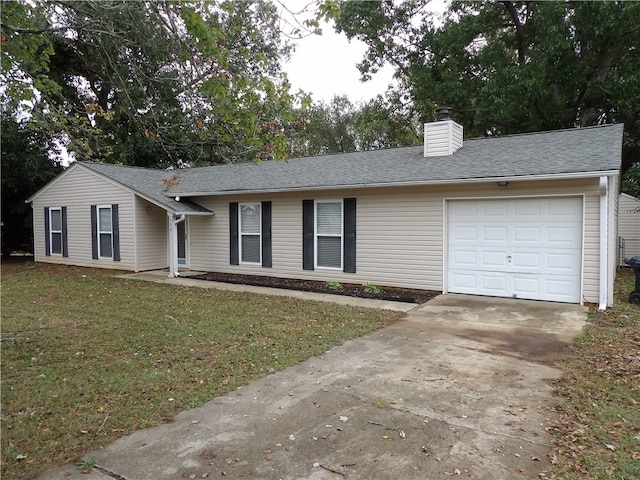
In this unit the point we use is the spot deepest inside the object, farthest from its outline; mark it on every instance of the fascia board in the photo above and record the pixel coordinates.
(559, 176)
(194, 214)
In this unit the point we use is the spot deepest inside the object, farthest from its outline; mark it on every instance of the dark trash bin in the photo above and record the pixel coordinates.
(634, 263)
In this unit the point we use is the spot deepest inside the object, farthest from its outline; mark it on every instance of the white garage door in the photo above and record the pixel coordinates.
(527, 248)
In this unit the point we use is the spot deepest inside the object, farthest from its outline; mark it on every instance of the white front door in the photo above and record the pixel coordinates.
(528, 248)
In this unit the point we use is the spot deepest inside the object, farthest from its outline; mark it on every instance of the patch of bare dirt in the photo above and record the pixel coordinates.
(353, 290)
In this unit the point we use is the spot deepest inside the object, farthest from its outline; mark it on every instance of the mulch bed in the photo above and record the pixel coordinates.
(353, 290)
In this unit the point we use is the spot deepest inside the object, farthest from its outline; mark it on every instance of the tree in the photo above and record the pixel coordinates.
(385, 122)
(341, 127)
(26, 167)
(150, 83)
(326, 128)
(509, 67)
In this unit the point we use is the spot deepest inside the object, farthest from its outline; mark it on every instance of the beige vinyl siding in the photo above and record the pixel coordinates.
(399, 232)
(591, 252)
(78, 189)
(629, 226)
(612, 233)
(629, 217)
(151, 236)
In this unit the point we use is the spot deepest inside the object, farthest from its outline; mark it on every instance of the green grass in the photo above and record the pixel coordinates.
(87, 357)
(598, 436)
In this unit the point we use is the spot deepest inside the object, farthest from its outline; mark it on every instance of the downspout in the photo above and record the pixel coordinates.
(174, 220)
(604, 241)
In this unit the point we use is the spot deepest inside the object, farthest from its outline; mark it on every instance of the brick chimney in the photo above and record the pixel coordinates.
(442, 137)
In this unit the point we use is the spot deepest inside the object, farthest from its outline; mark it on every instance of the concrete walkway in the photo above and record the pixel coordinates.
(161, 276)
(460, 387)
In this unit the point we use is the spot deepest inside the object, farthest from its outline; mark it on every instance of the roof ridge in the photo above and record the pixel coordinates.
(544, 132)
(136, 167)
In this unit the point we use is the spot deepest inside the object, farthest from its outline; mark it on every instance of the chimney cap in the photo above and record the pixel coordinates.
(443, 113)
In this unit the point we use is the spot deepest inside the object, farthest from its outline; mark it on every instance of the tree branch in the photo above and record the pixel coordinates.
(520, 32)
(35, 31)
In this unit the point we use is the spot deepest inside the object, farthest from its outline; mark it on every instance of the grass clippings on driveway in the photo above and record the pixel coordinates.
(598, 436)
(87, 357)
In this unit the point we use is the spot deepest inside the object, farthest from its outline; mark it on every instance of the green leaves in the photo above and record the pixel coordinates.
(150, 83)
(340, 126)
(509, 67)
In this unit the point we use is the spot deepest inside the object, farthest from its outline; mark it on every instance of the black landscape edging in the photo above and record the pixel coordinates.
(351, 290)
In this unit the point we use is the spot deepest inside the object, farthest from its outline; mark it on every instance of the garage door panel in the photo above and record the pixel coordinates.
(526, 234)
(527, 248)
(491, 259)
(492, 283)
(494, 233)
(466, 282)
(494, 209)
(480, 283)
(464, 210)
(561, 263)
(561, 211)
(464, 258)
(531, 208)
(465, 233)
(526, 286)
(558, 288)
(563, 236)
(527, 260)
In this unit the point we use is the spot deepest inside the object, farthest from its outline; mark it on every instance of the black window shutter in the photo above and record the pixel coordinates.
(65, 245)
(115, 230)
(234, 254)
(349, 240)
(307, 235)
(47, 232)
(94, 232)
(266, 234)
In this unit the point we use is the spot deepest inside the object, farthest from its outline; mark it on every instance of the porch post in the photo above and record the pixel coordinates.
(174, 220)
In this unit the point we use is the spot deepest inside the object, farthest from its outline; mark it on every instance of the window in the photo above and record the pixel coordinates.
(55, 231)
(328, 234)
(250, 232)
(55, 226)
(105, 232)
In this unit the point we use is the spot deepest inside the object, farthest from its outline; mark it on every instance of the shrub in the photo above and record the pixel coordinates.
(372, 289)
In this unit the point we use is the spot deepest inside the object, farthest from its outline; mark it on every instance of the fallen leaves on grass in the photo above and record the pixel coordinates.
(599, 394)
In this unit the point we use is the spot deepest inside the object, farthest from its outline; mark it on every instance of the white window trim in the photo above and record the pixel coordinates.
(316, 234)
(101, 232)
(242, 234)
(52, 231)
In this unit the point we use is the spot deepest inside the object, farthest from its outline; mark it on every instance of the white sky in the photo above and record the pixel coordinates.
(325, 65)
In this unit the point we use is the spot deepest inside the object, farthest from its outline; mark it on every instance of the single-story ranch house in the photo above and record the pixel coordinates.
(529, 216)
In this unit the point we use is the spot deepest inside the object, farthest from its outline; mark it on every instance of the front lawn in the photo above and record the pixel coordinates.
(598, 436)
(87, 357)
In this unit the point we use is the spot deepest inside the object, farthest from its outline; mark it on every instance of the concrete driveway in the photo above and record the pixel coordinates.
(460, 387)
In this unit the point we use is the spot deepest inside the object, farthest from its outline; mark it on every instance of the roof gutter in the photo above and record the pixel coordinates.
(557, 176)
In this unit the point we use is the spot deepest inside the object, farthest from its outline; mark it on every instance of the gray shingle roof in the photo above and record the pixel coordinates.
(569, 152)
(572, 152)
(148, 183)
